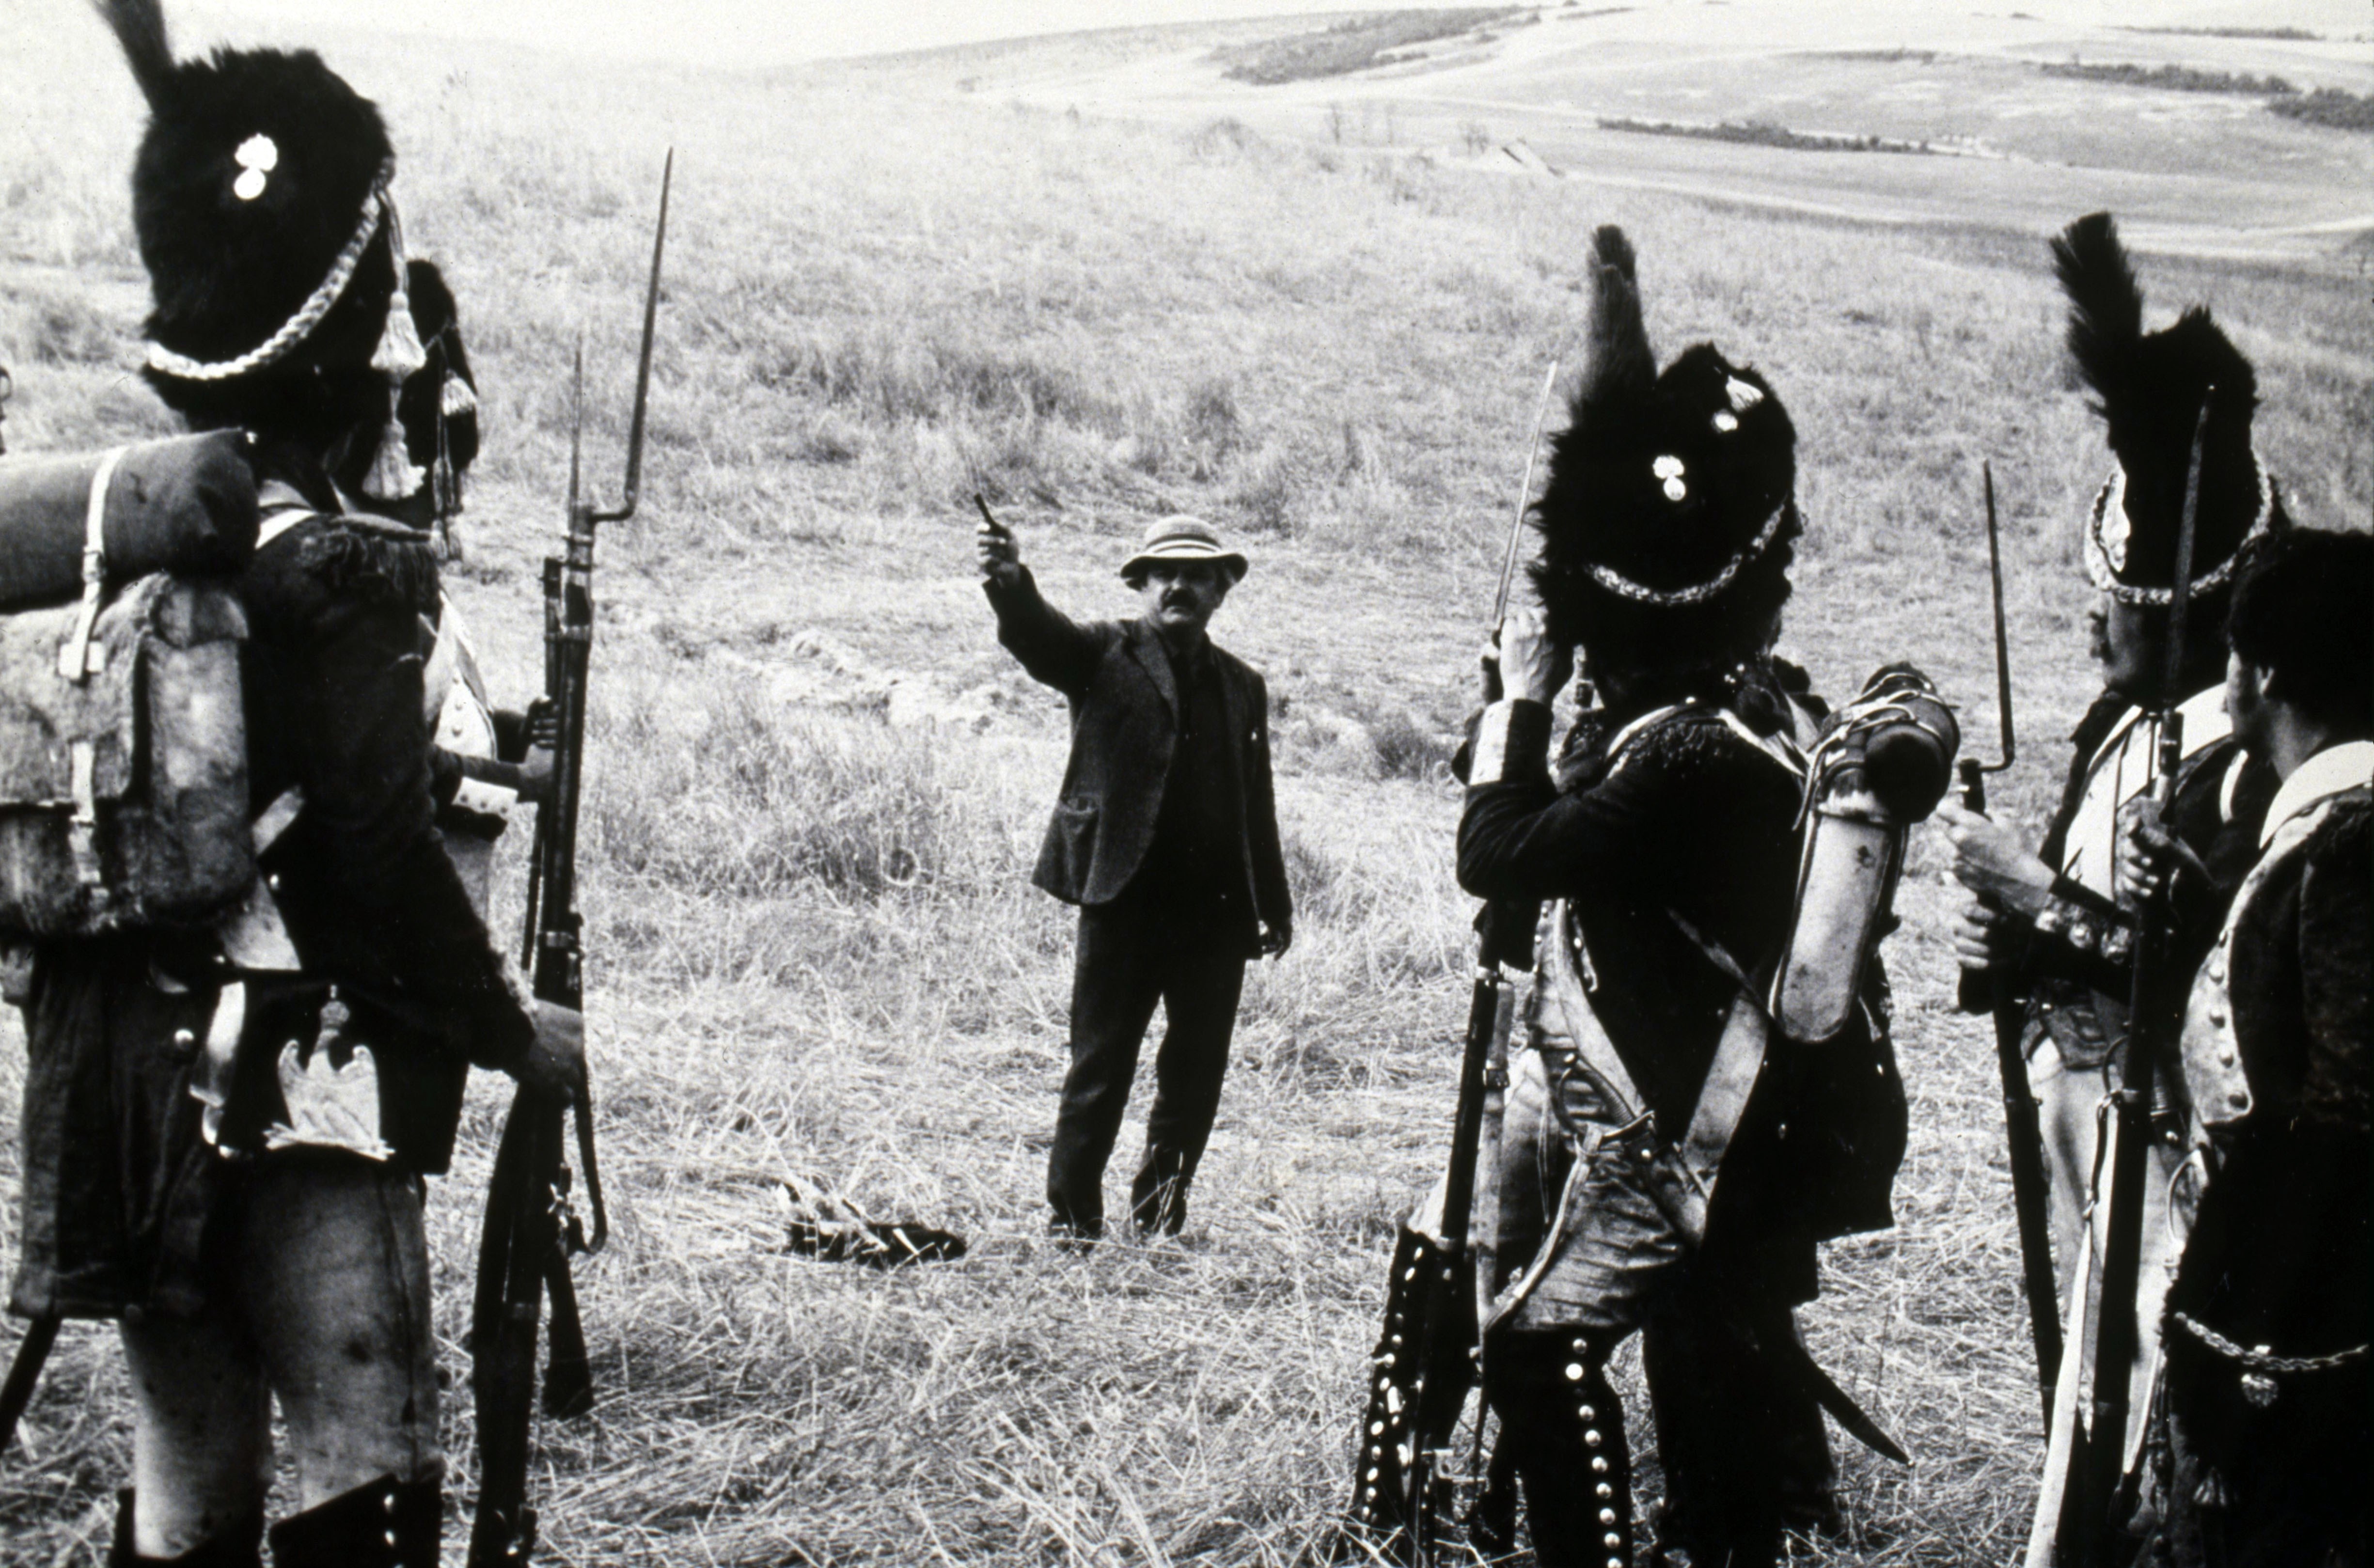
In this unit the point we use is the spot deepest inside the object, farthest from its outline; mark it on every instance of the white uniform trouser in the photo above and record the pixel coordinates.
(322, 1303)
(2069, 1104)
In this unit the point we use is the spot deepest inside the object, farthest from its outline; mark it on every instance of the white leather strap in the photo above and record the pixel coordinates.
(77, 659)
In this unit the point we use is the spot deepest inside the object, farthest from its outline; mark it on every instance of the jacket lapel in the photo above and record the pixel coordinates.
(1146, 647)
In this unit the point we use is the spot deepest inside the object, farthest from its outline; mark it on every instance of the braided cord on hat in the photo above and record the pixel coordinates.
(1615, 583)
(2112, 496)
(307, 317)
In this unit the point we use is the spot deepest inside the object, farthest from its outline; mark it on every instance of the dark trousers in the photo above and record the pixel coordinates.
(1133, 952)
(1743, 1451)
(1744, 1454)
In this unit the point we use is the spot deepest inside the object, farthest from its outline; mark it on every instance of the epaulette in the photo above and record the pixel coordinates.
(2348, 826)
(1698, 735)
(371, 561)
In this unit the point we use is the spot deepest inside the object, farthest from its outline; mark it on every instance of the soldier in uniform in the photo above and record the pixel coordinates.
(1668, 832)
(226, 1134)
(2263, 1421)
(2059, 920)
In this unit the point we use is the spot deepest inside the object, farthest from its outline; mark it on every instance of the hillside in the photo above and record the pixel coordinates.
(1103, 281)
(1988, 123)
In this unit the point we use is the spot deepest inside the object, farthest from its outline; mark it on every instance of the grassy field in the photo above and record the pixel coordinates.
(2208, 173)
(817, 783)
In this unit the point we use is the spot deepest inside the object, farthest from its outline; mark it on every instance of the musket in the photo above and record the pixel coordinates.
(1999, 994)
(1427, 1360)
(2090, 1523)
(531, 1228)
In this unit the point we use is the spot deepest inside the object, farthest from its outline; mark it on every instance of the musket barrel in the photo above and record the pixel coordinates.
(2118, 1333)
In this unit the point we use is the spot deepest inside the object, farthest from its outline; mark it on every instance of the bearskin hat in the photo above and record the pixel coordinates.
(1668, 504)
(2148, 388)
(260, 197)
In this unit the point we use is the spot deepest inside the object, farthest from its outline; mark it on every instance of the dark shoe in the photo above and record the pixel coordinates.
(1757, 1553)
(1492, 1523)
(1157, 1199)
(1817, 1518)
(1076, 1235)
(242, 1545)
(381, 1524)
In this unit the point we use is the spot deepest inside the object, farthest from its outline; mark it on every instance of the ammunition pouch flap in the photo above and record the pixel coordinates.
(124, 791)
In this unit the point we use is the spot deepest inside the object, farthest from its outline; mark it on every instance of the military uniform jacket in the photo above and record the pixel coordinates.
(1691, 840)
(2276, 1037)
(1125, 701)
(334, 687)
(118, 1178)
(2077, 968)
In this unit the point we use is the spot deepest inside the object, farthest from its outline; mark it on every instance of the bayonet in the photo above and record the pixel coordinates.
(576, 428)
(633, 489)
(1525, 499)
(1998, 994)
(2002, 642)
(531, 1231)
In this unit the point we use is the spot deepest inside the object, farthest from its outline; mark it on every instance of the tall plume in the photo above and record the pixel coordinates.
(1621, 366)
(139, 26)
(2106, 305)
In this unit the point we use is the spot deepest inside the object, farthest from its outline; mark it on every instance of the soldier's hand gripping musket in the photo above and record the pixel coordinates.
(531, 1231)
(1996, 993)
(1427, 1353)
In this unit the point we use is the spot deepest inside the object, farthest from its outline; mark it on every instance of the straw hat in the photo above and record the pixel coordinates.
(1183, 539)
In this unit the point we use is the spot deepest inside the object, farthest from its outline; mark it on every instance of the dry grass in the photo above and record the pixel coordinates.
(816, 784)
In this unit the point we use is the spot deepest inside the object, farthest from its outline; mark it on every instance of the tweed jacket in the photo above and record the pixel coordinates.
(1124, 703)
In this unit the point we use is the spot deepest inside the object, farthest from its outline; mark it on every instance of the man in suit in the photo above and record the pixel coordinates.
(1166, 837)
